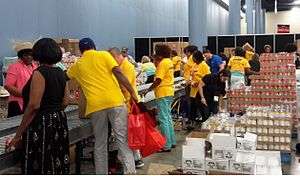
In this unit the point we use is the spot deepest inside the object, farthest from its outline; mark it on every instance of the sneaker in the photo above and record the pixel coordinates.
(139, 164)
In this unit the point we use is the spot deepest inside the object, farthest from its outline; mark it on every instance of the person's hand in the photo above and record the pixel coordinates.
(203, 101)
(14, 143)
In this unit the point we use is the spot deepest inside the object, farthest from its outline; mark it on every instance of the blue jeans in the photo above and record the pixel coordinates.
(165, 120)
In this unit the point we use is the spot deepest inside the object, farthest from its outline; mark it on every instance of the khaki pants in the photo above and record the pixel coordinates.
(117, 116)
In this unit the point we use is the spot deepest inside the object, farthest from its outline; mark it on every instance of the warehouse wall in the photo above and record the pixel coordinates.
(285, 17)
(217, 19)
(26, 20)
(110, 23)
(116, 22)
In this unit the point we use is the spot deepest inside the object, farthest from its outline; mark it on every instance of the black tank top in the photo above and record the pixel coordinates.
(55, 83)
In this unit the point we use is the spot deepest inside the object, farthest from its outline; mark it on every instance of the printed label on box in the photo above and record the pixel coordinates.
(217, 165)
(221, 154)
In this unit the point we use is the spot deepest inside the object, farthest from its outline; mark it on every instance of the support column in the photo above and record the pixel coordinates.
(258, 16)
(263, 21)
(197, 23)
(234, 16)
(249, 16)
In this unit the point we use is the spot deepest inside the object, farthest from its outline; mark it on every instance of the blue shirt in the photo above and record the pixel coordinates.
(214, 64)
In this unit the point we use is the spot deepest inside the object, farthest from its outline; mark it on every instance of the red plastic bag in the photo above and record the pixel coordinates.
(136, 128)
(155, 141)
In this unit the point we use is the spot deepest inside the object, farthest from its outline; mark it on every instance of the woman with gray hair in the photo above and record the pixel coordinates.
(149, 68)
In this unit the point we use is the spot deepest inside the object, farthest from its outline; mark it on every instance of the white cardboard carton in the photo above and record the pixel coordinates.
(216, 165)
(200, 142)
(223, 146)
(248, 143)
(220, 153)
(244, 163)
(193, 158)
(223, 140)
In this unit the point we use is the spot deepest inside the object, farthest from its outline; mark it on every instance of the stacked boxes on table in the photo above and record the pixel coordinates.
(276, 84)
(177, 46)
(228, 154)
(273, 101)
(70, 45)
(193, 154)
(271, 124)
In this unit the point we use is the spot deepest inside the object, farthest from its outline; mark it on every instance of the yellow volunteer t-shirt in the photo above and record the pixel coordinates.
(197, 73)
(238, 64)
(129, 72)
(177, 63)
(249, 55)
(187, 68)
(165, 71)
(93, 71)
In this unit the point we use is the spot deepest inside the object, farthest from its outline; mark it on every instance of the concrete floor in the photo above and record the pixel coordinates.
(161, 163)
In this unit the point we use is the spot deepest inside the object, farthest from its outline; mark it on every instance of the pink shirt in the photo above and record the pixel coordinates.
(17, 76)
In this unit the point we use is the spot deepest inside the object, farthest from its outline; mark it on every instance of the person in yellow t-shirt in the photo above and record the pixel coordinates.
(177, 63)
(189, 51)
(100, 78)
(199, 70)
(163, 87)
(249, 51)
(149, 68)
(238, 66)
(128, 70)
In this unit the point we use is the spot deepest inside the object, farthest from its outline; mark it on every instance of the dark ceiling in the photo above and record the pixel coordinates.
(282, 5)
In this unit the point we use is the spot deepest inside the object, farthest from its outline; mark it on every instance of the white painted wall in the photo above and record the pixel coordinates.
(285, 17)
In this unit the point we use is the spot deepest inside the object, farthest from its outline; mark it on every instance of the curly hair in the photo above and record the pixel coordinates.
(163, 50)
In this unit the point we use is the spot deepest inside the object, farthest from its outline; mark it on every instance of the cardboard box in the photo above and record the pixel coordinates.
(216, 165)
(248, 143)
(199, 134)
(222, 140)
(193, 158)
(223, 146)
(223, 154)
(198, 142)
(244, 163)
(72, 46)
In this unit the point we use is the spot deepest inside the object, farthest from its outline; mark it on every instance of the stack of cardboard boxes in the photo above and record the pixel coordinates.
(272, 126)
(275, 85)
(220, 153)
(177, 46)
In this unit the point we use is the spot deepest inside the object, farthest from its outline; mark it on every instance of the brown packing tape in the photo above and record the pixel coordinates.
(199, 134)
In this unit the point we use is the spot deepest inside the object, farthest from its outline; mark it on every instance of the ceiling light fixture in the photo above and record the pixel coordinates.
(297, 2)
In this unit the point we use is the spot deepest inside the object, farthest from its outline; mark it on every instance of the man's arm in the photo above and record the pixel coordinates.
(123, 81)
(222, 66)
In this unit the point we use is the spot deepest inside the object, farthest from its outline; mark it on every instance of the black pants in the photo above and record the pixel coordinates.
(187, 103)
(13, 109)
(150, 79)
(177, 73)
(198, 108)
